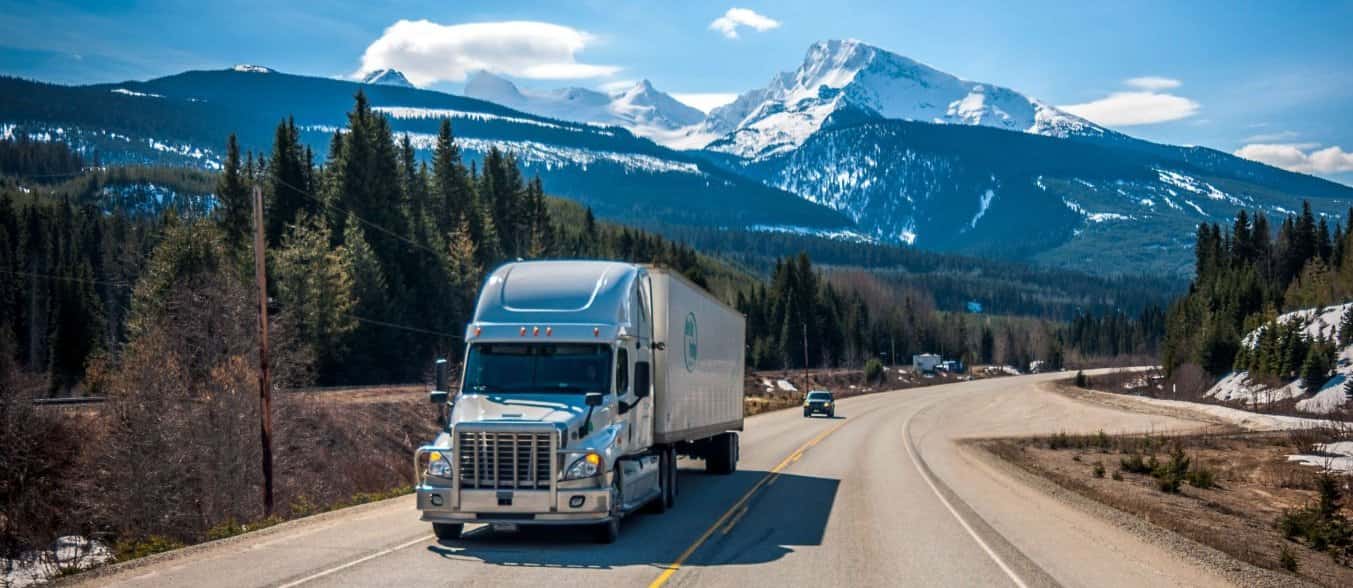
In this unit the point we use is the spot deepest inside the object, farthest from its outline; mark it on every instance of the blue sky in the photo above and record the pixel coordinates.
(1274, 79)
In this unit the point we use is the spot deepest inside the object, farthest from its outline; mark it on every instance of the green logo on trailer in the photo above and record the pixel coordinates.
(692, 345)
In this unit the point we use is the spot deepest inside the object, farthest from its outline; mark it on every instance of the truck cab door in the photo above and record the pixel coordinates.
(641, 354)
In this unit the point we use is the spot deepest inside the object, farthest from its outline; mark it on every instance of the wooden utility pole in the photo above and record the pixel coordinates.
(264, 382)
(807, 385)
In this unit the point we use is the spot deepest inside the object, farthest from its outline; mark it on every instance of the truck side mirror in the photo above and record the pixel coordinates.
(642, 380)
(440, 378)
(438, 396)
(592, 398)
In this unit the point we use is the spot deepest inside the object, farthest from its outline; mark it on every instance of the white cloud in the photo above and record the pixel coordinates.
(1278, 137)
(1146, 104)
(705, 101)
(1152, 83)
(1300, 157)
(728, 24)
(428, 52)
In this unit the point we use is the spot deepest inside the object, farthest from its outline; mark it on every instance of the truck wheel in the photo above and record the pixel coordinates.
(609, 531)
(807, 413)
(722, 458)
(672, 480)
(447, 531)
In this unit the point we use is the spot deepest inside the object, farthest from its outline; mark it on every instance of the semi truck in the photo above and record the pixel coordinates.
(582, 383)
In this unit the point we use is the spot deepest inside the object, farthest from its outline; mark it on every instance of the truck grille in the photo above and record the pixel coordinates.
(504, 459)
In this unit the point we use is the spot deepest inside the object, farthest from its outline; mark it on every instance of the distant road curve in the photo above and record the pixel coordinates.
(880, 496)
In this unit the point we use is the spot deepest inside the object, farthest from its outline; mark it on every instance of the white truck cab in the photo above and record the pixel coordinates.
(582, 382)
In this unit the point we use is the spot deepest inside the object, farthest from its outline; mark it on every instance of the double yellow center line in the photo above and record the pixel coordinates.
(735, 513)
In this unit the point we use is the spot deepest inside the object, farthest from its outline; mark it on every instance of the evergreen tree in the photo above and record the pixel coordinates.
(315, 290)
(1345, 336)
(1315, 368)
(287, 182)
(235, 204)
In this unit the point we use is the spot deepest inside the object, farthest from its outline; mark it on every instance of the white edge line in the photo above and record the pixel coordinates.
(906, 440)
(354, 562)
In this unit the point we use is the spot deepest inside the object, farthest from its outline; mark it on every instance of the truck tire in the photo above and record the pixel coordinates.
(609, 531)
(447, 531)
(674, 479)
(722, 458)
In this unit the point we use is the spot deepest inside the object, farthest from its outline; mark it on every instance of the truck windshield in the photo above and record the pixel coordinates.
(538, 367)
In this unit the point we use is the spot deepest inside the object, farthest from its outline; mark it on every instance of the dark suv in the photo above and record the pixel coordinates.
(820, 402)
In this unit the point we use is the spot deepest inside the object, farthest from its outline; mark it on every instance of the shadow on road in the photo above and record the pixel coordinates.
(790, 510)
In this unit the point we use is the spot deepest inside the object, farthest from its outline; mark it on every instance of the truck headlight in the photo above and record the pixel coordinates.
(439, 465)
(584, 467)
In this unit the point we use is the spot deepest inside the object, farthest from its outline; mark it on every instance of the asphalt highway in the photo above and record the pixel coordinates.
(882, 495)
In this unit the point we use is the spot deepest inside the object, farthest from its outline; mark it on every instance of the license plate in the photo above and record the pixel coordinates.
(506, 527)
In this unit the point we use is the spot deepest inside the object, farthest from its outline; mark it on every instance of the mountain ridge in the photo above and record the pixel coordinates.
(640, 108)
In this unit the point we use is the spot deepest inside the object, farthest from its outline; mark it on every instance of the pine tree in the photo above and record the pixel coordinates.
(235, 204)
(1345, 336)
(315, 289)
(464, 270)
(287, 182)
(372, 356)
(1315, 368)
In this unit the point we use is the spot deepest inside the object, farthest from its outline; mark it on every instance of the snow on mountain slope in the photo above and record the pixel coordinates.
(641, 108)
(1316, 324)
(841, 79)
(387, 77)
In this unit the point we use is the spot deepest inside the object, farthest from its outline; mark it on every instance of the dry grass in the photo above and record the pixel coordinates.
(1252, 486)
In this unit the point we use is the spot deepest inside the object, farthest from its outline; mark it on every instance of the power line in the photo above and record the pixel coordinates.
(68, 279)
(373, 225)
(403, 327)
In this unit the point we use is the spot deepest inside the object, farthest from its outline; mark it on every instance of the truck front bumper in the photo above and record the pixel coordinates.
(513, 506)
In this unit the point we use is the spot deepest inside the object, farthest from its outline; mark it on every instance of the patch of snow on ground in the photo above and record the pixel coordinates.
(1330, 398)
(127, 92)
(786, 386)
(1237, 387)
(418, 113)
(1337, 456)
(551, 156)
(834, 234)
(38, 567)
(1316, 326)
(982, 206)
(1099, 217)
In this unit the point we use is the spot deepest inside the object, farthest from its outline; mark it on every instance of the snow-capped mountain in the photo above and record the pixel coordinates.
(641, 108)
(184, 119)
(251, 68)
(387, 77)
(844, 81)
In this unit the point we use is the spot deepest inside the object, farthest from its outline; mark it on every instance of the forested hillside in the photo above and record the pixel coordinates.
(374, 257)
(1247, 274)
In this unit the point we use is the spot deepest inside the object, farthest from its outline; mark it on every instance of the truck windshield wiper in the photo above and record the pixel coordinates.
(568, 388)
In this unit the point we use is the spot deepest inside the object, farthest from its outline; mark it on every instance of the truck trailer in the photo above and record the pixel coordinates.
(583, 381)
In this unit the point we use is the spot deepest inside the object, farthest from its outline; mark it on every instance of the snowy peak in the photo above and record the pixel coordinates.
(250, 68)
(641, 108)
(387, 77)
(644, 105)
(486, 86)
(838, 77)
